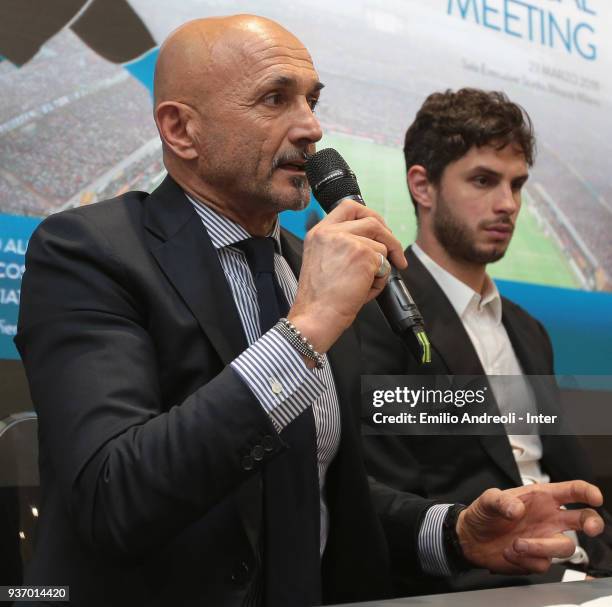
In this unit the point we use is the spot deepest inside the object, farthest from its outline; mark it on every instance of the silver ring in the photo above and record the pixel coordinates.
(384, 267)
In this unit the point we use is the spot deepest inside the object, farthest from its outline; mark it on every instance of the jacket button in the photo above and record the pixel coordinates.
(258, 453)
(247, 462)
(241, 574)
(268, 443)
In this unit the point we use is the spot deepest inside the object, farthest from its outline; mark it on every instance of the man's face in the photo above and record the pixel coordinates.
(477, 203)
(257, 122)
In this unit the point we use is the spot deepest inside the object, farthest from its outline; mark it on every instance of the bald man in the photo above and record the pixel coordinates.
(194, 449)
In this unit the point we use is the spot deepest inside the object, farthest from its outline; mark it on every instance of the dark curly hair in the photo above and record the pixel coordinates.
(449, 124)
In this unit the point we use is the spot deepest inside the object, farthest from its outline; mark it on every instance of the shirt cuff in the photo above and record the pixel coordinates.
(278, 377)
(571, 575)
(432, 554)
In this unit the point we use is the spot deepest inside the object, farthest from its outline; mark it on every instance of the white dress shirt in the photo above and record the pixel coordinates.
(481, 316)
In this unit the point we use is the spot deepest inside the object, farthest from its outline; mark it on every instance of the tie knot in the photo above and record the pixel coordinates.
(259, 253)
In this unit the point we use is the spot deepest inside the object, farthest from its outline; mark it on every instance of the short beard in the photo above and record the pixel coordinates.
(303, 193)
(296, 202)
(259, 195)
(302, 188)
(458, 240)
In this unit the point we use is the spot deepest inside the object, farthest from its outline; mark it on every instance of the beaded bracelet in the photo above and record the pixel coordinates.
(292, 334)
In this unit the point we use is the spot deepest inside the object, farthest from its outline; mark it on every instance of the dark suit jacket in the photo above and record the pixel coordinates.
(460, 468)
(126, 329)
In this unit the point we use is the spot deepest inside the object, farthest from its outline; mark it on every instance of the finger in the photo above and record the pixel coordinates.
(377, 286)
(382, 272)
(375, 252)
(384, 267)
(368, 227)
(379, 282)
(592, 523)
(397, 258)
(495, 503)
(350, 212)
(584, 519)
(574, 492)
(526, 564)
(374, 245)
(558, 546)
(371, 227)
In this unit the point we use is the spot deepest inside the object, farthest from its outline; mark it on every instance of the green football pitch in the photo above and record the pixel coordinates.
(533, 256)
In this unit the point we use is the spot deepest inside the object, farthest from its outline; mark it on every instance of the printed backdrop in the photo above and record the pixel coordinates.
(76, 126)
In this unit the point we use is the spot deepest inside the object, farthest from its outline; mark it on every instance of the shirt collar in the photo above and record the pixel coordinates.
(459, 294)
(223, 231)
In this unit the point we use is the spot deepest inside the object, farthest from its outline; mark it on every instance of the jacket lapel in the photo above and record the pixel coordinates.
(180, 244)
(527, 346)
(444, 328)
(453, 345)
(561, 455)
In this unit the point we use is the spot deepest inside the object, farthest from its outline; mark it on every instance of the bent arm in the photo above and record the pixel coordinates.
(133, 470)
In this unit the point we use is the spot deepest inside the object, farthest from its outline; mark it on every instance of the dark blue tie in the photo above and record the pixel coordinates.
(291, 482)
(272, 302)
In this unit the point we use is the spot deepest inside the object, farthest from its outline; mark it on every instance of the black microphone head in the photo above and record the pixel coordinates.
(330, 178)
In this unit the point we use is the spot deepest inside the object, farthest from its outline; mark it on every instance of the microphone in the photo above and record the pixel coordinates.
(331, 181)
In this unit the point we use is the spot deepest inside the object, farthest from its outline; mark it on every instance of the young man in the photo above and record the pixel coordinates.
(468, 155)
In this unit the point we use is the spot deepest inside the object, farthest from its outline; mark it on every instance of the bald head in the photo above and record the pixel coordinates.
(234, 106)
(200, 53)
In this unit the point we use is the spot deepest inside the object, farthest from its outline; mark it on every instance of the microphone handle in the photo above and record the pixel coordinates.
(399, 309)
(404, 317)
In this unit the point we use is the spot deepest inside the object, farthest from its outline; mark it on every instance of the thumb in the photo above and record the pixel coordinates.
(495, 503)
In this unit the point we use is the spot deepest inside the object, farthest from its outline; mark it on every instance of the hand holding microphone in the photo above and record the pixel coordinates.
(332, 183)
(341, 271)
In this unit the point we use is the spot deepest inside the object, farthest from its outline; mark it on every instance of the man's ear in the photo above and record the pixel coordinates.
(175, 123)
(421, 189)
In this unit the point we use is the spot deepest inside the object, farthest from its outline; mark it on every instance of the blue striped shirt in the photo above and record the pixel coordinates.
(270, 366)
(281, 382)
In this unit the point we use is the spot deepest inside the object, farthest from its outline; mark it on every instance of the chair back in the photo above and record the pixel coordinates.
(19, 493)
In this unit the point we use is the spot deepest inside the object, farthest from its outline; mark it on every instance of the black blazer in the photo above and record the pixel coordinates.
(460, 468)
(126, 329)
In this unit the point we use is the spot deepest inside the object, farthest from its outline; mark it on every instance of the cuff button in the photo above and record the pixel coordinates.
(275, 386)
(268, 443)
(247, 462)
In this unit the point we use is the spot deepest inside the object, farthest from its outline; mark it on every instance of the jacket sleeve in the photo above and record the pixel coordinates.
(401, 514)
(132, 472)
